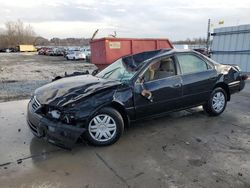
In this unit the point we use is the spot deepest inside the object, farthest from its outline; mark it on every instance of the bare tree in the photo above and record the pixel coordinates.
(3, 41)
(17, 33)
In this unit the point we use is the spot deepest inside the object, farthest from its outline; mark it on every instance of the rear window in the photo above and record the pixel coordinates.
(191, 64)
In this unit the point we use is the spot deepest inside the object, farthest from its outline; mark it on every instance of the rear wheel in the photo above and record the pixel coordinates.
(105, 128)
(216, 103)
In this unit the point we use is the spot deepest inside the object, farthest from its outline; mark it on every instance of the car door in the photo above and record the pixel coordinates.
(165, 87)
(198, 78)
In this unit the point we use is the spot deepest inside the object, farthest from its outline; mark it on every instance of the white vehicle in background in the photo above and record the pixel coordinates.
(87, 52)
(75, 55)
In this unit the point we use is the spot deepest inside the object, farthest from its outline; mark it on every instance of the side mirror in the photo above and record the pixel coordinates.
(141, 80)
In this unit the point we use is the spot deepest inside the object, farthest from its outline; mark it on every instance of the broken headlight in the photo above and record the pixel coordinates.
(68, 118)
(60, 115)
(55, 114)
(51, 112)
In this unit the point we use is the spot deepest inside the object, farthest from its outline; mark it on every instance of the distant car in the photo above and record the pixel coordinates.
(76, 55)
(9, 50)
(134, 87)
(69, 51)
(42, 51)
(58, 52)
(2, 50)
(49, 52)
(87, 52)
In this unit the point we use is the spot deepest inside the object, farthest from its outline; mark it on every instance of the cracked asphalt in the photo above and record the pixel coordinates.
(184, 149)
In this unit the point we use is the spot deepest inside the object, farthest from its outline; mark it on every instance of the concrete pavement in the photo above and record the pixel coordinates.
(184, 149)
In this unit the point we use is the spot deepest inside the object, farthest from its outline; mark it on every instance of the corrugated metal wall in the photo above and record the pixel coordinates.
(231, 45)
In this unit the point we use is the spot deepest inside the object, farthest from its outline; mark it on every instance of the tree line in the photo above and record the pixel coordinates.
(191, 41)
(16, 33)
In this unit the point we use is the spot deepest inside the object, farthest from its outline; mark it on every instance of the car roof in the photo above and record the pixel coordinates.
(143, 56)
(137, 60)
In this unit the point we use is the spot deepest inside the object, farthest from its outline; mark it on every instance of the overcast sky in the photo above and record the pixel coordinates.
(175, 19)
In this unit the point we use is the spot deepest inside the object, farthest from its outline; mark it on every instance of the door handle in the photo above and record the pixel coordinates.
(177, 85)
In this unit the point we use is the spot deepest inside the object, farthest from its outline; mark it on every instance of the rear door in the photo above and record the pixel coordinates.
(198, 78)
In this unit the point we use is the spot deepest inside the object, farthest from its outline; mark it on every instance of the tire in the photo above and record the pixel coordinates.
(105, 127)
(218, 96)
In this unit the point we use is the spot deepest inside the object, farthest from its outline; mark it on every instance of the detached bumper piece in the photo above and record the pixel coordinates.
(54, 132)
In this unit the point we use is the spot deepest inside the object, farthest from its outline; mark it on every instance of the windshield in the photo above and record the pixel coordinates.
(118, 70)
(125, 68)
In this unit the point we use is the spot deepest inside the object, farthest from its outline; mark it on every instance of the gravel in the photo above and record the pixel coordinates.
(22, 73)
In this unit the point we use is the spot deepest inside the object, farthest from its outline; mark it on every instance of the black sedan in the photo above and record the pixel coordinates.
(134, 87)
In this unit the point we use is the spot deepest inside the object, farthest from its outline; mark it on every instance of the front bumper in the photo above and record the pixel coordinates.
(55, 132)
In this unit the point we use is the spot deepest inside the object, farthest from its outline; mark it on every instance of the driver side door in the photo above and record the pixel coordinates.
(165, 86)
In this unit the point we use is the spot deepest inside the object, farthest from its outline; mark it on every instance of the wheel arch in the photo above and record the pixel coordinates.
(225, 87)
(117, 106)
(120, 108)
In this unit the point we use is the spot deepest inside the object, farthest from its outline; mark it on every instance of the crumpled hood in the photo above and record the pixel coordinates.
(68, 90)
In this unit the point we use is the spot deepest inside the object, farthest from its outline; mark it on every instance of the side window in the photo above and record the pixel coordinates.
(163, 68)
(191, 63)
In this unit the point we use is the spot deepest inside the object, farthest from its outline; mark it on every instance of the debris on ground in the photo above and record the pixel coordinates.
(197, 162)
(198, 140)
(67, 173)
(19, 161)
(19, 130)
(70, 75)
(164, 148)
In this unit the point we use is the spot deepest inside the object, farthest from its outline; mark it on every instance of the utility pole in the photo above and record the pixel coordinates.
(208, 34)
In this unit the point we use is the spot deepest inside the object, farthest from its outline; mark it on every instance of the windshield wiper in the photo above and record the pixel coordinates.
(110, 72)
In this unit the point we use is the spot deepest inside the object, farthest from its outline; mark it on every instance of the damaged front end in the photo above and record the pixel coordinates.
(60, 111)
(53, 124)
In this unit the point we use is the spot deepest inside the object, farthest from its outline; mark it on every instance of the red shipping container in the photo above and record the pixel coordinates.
(105, 51)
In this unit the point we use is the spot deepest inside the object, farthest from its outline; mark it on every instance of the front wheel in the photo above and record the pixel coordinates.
(216, 103)
(105, 128)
